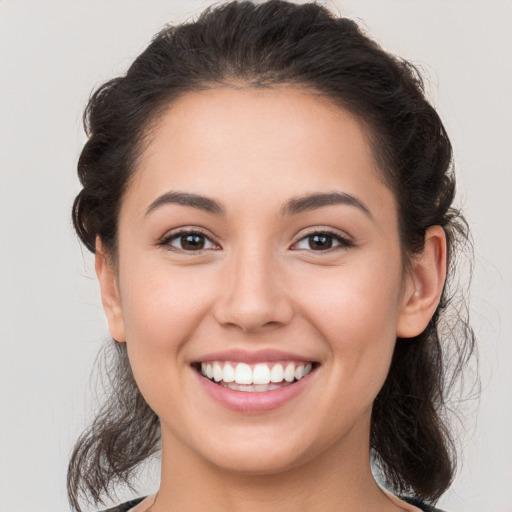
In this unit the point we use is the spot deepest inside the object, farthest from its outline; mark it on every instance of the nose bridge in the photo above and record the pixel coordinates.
(253, 294)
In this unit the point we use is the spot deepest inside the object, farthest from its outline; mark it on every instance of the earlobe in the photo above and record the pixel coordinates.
(110, 298)
(424, 285)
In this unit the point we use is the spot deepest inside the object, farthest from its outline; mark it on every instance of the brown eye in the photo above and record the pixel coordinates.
(322, 241)
(189, 241)
(192, 242)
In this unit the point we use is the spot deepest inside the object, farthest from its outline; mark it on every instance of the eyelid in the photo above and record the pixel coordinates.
(344, 239)
(171, 235)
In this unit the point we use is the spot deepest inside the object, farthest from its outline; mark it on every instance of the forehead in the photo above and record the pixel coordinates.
(256, 143)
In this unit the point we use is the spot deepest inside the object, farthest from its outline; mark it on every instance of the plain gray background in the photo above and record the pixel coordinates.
(51, 326)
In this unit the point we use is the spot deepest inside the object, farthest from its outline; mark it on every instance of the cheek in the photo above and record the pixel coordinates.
(159, 301)
(161, 309)
(355, 309)
(360, 297)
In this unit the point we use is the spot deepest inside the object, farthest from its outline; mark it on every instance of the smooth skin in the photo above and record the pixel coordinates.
(260, 281)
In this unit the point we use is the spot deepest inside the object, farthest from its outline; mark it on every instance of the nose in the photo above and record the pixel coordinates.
(253, 295)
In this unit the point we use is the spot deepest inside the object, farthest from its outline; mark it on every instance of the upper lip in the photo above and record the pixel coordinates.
(252, 356)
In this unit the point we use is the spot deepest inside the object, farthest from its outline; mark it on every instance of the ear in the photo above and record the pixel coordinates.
(110, 298)
(424, 285)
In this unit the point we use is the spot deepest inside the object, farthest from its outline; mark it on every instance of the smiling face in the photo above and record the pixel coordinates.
(257, 244)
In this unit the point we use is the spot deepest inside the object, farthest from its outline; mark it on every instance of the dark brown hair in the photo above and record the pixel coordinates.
(267, 45)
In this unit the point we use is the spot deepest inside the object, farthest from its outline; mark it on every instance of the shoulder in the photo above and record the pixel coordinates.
(420, 504)
(125, 507)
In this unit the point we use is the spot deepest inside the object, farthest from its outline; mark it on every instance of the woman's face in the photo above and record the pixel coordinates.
(257, 243)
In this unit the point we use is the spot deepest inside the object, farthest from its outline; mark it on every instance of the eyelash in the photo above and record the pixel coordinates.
(342, 242)
(166, 240)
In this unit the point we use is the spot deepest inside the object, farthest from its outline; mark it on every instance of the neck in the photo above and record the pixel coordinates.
(339, 479)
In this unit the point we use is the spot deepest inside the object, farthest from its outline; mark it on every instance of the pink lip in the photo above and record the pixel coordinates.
(258, 356)
(258, 402)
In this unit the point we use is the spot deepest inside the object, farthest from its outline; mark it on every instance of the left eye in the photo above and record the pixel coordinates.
(191, 241)
(321, 242)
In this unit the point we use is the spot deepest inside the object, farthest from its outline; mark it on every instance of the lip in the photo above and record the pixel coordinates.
(251, 357)
(253, 403)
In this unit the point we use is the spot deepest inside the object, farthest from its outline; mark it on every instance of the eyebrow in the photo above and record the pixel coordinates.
(314, 201)
(291, 207)
(185, 199)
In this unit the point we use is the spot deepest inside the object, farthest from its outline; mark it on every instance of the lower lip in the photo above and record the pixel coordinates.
(253, 402)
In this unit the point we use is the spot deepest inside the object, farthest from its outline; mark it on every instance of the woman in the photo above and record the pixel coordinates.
(269, 199)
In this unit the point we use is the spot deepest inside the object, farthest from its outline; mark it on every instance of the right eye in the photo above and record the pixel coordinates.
(189, 241)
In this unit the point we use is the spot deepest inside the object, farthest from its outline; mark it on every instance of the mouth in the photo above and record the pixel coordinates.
(255, 378)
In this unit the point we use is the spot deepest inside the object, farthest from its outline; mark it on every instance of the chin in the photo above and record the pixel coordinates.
(267, 449)
(255, 461)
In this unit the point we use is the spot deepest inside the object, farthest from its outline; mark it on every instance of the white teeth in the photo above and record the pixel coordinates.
(243, 374)
(277, 373)
(260, 377)
(217, 371)
(229, 373)
(261, 374)
(289, 372)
